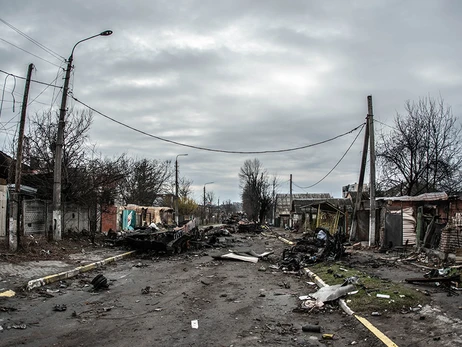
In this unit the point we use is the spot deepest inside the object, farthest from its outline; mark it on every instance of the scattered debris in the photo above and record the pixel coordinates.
(7, 294)
(146, 290)
(195, 324)
(312, 328)
(99, 282)
(236, 256)
(140, 265)
(383, 296)
(330, 293)
(60, 307)
(312, 249)
(439, 277)
(17, 326)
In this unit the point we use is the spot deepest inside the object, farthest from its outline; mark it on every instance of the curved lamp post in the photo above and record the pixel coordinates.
(204, 196)
(176, 186)
(57, 218)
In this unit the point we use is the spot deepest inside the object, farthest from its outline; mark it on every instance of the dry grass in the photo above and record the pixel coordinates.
(402, 298)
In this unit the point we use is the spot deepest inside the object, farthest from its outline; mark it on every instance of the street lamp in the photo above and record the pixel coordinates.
(57, 219)
(204, 196)
(176, 186)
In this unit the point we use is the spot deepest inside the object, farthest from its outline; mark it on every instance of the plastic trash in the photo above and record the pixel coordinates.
(383, 296)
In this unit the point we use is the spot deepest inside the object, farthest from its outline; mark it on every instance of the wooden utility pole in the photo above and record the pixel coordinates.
(15, 218)
(357, 206)
(274, 203)
(370, 119)
(291, 222)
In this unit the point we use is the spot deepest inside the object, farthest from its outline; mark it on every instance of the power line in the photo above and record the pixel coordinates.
(46, 49)
(375, 120)
(44, 90)
(35, 100)
(3, 92)
(338, 162)
(211, 149)
(39, 82)
(35, 55)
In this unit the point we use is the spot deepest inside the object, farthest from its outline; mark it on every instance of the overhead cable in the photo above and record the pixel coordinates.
(46, 49)
(3, 92)
(22, 49)
(35, 81)
(343, 156)
(211, 149)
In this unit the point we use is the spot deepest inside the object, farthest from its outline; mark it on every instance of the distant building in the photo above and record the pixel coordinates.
(353, 188)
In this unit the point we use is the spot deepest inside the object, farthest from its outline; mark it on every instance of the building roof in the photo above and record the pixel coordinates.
(422, 197)
(338, 203)
(324, 205)
(283, 205)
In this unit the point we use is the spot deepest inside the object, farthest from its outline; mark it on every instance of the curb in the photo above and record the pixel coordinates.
(381, 336)
(74, 272)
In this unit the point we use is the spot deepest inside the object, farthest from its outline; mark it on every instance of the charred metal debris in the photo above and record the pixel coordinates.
(159, 239)
(312, 248)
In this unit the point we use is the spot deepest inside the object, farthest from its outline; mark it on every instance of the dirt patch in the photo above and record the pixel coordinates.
(37, 248)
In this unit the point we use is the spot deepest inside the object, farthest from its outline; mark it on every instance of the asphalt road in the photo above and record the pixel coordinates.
(235, 304)
(154, 301)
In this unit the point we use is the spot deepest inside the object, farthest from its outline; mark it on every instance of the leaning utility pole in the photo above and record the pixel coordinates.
(15, 219)
(370, 120)
(57, 217)
(357, 206)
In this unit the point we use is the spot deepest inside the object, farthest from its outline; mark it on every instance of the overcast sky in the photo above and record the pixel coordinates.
(238, 76)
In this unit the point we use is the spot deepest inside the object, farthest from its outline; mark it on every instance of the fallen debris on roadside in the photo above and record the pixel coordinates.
(312, 249)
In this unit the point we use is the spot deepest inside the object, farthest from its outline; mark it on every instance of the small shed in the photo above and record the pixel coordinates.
(406, 220)
(322, 214)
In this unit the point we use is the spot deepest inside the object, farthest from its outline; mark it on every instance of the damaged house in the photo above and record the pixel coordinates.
(431, 221)
(332, 214)
(284, 213)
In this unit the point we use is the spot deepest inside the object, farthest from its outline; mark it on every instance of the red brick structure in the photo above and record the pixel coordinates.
(109, 219)
(451, 239)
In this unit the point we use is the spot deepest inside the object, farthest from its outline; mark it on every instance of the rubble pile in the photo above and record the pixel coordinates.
(311, 249)
(245, 226)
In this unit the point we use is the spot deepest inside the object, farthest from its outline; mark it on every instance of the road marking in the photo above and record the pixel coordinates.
(68, 274)
(382, 337)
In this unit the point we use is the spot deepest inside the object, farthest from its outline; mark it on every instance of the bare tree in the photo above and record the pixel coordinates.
(423, 152)
(145, 181)
(184, 188)
(257, 197)
(41, 145)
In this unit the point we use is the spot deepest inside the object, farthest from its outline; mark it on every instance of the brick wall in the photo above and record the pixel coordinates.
(109, 219)
(451, 239)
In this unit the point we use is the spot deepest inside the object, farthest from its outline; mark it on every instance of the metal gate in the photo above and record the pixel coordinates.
(35, 216)
(393, 229)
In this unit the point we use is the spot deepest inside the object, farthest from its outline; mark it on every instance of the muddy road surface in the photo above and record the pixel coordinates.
(189, 299)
